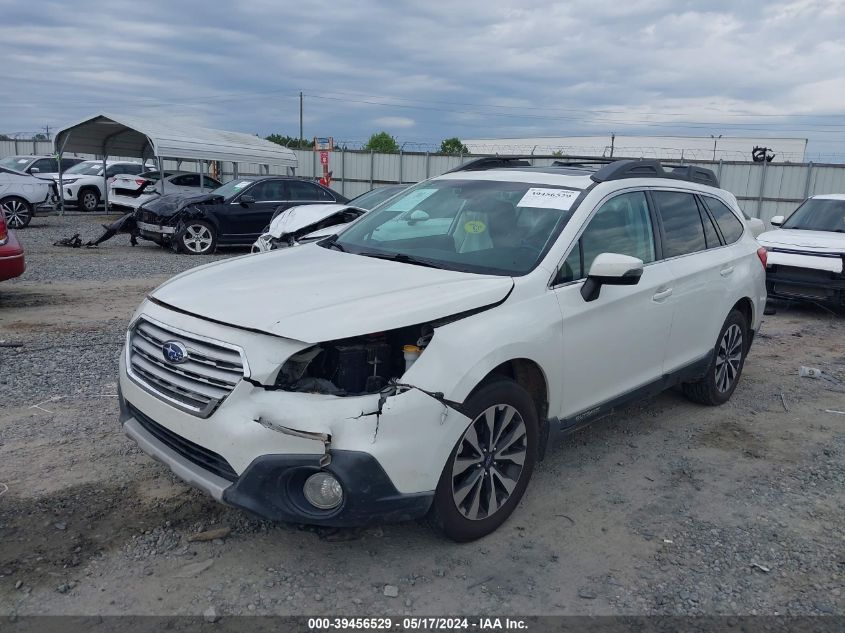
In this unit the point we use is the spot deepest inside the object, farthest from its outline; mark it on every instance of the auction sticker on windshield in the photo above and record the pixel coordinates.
(241, 184)
(541, 198)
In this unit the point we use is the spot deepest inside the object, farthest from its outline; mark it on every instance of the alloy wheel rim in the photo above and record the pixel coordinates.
(197, 238)
(16, 213)
(728, 358)
(489, 462)
(89, 201)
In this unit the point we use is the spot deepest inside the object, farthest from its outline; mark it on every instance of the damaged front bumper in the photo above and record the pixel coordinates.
(805, 277)
(258, 448)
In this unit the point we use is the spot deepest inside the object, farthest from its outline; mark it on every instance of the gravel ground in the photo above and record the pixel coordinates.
(665, 508)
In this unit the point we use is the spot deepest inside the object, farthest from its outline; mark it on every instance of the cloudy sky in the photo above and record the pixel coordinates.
(427, 70)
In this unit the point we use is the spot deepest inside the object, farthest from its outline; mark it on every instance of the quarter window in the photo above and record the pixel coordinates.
(683, 232)
(729, 224)
(709, 229)
(621, 225)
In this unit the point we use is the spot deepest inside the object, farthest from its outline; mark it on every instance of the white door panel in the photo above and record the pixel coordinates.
(616, 343)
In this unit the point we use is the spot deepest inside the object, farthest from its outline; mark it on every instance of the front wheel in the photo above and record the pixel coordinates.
(198, 238)
(18, 211)
(88, 199)
(489, 468)
(728, 358)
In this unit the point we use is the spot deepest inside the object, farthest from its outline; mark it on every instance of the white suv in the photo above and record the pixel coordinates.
(419, 362)
(84, 184)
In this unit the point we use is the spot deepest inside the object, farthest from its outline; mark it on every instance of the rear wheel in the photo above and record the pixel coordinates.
(18, 211)
(488, 470)
(198, 238)
(88, 199)
(725, 368)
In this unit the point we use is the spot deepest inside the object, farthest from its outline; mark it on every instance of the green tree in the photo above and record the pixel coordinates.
(453, 146)
(382, 142)
(289, 141)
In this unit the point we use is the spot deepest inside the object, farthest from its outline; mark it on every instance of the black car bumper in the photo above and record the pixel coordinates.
(271, 486)
(789, 282)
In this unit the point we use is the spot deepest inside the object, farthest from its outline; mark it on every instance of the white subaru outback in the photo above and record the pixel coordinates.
(418, 363)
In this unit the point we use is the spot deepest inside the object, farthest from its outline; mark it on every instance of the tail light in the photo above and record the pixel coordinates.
(140, 182)
(762, 253)
(4, 232)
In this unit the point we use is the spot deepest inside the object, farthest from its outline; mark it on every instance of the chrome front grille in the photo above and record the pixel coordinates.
(196, 385)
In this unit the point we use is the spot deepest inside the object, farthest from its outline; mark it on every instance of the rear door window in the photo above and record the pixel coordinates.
(729, 224)
(710, 232)
(683, 232)
(299, 190)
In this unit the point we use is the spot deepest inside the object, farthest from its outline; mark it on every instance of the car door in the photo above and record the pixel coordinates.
(699, 266)
(614, 345)
(250, 212)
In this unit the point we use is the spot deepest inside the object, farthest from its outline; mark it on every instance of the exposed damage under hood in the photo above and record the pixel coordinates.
(170, 205)
(305, 223)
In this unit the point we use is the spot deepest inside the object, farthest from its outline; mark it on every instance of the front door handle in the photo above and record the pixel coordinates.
(661, 295)
(727, 270)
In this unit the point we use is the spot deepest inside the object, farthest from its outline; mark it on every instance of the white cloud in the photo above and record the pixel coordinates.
(394, 122)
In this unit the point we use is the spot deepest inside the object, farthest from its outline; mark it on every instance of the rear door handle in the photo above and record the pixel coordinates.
(727, 270)
(661, 295)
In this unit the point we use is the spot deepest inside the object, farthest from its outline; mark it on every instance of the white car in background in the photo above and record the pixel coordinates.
(21, 194)
(41, 166)
(84, 184)
(807, 251)
(131, 191)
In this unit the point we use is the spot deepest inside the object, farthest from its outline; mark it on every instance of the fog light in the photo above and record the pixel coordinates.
(323, 491)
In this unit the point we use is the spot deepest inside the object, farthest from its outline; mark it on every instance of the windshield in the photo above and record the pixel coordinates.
(372, 199)
(18, 163)
(483, 226)
(817, 214)
(231, 188)
(88, 168)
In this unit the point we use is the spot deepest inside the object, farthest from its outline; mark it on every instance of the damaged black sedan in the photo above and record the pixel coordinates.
(235, 214)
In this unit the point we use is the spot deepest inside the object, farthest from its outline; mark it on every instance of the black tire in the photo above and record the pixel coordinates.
(88, 199)
(198, 237)
(18, 211)
(479, 478)
(724, 370)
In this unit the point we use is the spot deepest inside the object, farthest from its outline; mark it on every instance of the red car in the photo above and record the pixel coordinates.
(11, 252)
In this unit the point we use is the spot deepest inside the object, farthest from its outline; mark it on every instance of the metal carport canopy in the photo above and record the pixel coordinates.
(143, 137)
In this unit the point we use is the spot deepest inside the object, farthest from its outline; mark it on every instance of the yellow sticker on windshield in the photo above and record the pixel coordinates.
(475, 226)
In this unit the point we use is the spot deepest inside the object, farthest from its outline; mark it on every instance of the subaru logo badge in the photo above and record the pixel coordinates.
(174, 352)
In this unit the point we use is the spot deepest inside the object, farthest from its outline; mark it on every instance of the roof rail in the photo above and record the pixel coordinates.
(648, 168)
(492, 162)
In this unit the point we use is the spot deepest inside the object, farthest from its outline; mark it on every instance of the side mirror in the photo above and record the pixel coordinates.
(34, 170)
(777, 220)
(611, 269)
(245, 200)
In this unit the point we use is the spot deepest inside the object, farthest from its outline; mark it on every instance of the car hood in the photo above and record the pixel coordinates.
(314, 294)
(821, 241)
(170, 204)
(298, 218)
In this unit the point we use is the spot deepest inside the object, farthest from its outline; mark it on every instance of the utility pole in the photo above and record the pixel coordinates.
(301, 138)
(612, 143)
(47, 130)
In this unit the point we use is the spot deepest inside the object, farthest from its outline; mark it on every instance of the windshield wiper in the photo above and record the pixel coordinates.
(331, 242)
(403, 258)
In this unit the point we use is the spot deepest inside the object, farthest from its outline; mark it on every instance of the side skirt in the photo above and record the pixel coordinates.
(561, 427)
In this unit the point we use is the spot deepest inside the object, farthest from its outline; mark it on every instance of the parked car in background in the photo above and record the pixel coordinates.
(11, 252)
(300, 225)
(234, 214)
(292, 226)
(84, 184)
(807, 250)
(43, 166)
(392, 371)
(21, 195)
(131, 191)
